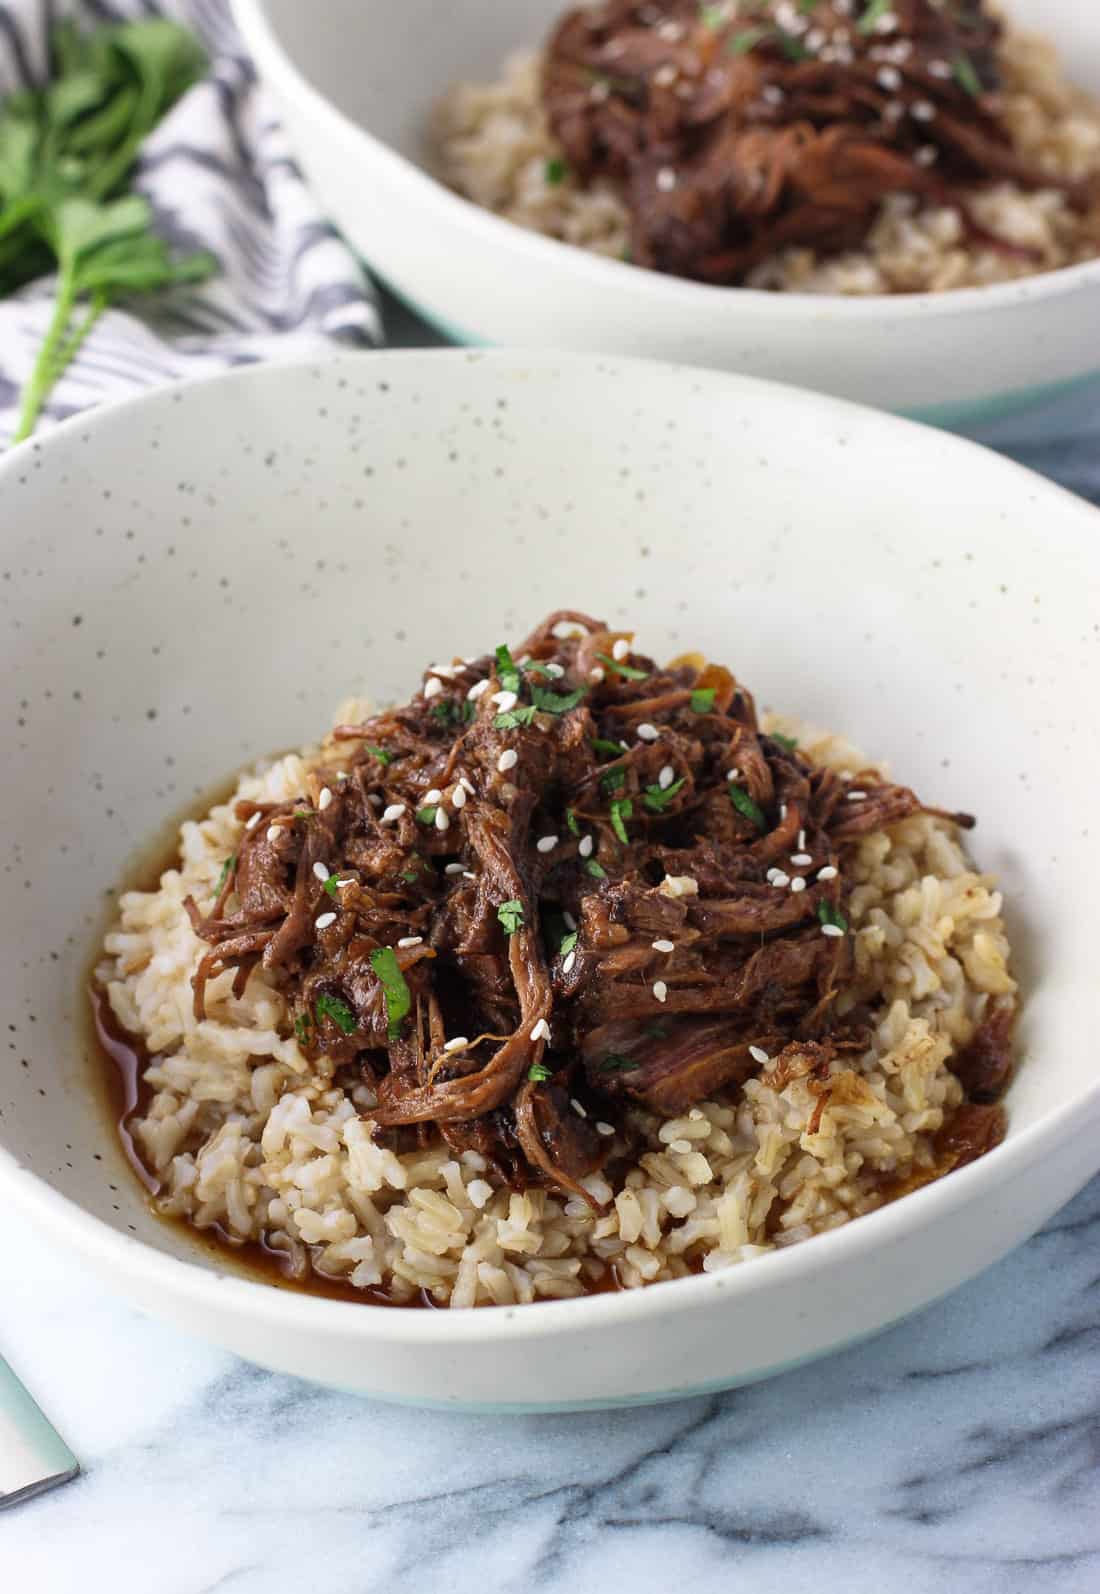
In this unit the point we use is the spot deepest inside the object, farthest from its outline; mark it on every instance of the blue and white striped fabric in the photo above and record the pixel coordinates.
(219, 177)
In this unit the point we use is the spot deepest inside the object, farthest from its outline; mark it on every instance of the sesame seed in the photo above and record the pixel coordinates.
(555, 671)
(570, 922)
(324, 921)
(458, 797)
(442, 819)
(733, 774)
(467, 784)
(456, 1045)
(666, 180)
(478, 689)
(251, 824)
(604, 1129)
(576, 1106)
(772, 94)
(665, 76)
(780, 879)
(648, 732)
(507, 760)
(547, 843)
(433, 796)
(468, 874)
(568, 962)
(888, 77)
(453, 869)
(320, 871)
(273, 832)
(782, 810)
(664, 946)
(666, 777)
(831, 930)
(922, 111)
(374, 799)
(599, 92)
(758, 1054)
(802, 841)
(798, 884)
(324, 799)
(801, 859)
(411, 940)
(927, 155)
(596, 673)
(342, 883)
(681, 1147)
(392, 813)
(660, 990)
(857, 796)
(584, 846)
(432, 687)
(541, 1031)
(621, 650)
(505, 700)
(940, 69)
(828, 873)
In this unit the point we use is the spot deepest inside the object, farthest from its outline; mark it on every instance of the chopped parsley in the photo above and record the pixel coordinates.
(702, 699)
(608, 749)
(788, 743)
(381, 754)
(962, 70)
(616, 1063)
(510, 915)
(339, 1012)
(747, 40)
(229, 863)
(383, 960)
(832, 916)
(302, 1027)
(513, 718)
(744, 804)
(556, 171)
(426, 816)
(330, 886)
(621, 809)
(657, 798)
(507, 669)
(572, 822)
(613, 778)
(596, 870)
(568, 942)
(627, 671)
(448, 712)
(554, 702)
(539, 1073)
(411, 875)
(873, 15)
(304, 813)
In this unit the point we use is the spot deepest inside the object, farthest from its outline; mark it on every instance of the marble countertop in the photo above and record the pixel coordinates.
(957, 1452)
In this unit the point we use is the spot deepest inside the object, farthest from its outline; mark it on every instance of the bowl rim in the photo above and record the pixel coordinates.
(205, 1285)
(704, 299)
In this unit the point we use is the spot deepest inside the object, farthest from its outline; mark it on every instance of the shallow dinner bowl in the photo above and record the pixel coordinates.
(356, 81)
(195, 579)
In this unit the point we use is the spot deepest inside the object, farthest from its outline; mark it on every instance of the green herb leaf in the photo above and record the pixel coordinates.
(510, 915)
(597, 871)
(747, 40)
(383, 960)
(871, 17)
(572, 821)
(302, 1027)
(513, 718)
(339, 1012)
(536, 667)
(556, 171)
(230, 863)
(548, 702)
(788, 743)
(304, 813)
(426, 816)
(539, 1073)
(411, 875)
(446, 710)
(507, 669)
(381, 754)
(792, 46)
(702, 699)
(621, 810)
(658, 1030)
(833, 916)
(627, 671)
(608, 749)
(806, 6)
(613, 779)
(745, 805)
(568, 942)
(331, 885)
(657, 798)
(965, 75)
(616, 1063)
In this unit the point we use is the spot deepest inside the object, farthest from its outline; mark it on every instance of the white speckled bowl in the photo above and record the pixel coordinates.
(197, 577)
(356, 94)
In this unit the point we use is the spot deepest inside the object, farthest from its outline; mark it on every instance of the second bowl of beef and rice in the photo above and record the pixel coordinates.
(894, 202)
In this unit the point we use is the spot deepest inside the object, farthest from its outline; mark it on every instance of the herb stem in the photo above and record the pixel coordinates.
(46, 368)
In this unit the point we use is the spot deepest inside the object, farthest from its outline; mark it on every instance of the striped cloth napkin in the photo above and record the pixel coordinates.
(219, 177)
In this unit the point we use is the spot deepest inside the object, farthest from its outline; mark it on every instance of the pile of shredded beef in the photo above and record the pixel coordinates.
(735, 130)
(560, 881)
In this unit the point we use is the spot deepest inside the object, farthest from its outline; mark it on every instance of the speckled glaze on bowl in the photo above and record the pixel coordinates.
(356, 96)
(195, 578)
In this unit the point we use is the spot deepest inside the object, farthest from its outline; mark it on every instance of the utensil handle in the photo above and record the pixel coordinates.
(33, 1455)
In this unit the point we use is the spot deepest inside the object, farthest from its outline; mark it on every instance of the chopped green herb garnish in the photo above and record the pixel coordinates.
(621, 809)
(744, 804)
(556, 171)
(304, 813)
(613, 778)
(714, 16)
(426, 816)
(339, 1012)
(554, 702)
(788, 743)
(383, 960)
(572, 822)
(229, 863)
(513, 718)
(627, 671)
(608, 749)
(568, 942)
(381, 754)
(806, 6)
(832, 916)
(792, 46)
(536, 667)
(411, 875)
(330, 886)
(539, 1073)
(657, 1030)
(874, 13)
(702, 699)
(747, 40)
(615, 1063)
(445, 710)
(657, 798)
(302, 1028)
(507, 669)
(962, 69)
(597, 871)
(510, 915)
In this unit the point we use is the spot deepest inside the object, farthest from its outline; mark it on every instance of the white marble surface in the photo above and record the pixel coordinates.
(958, 1452)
